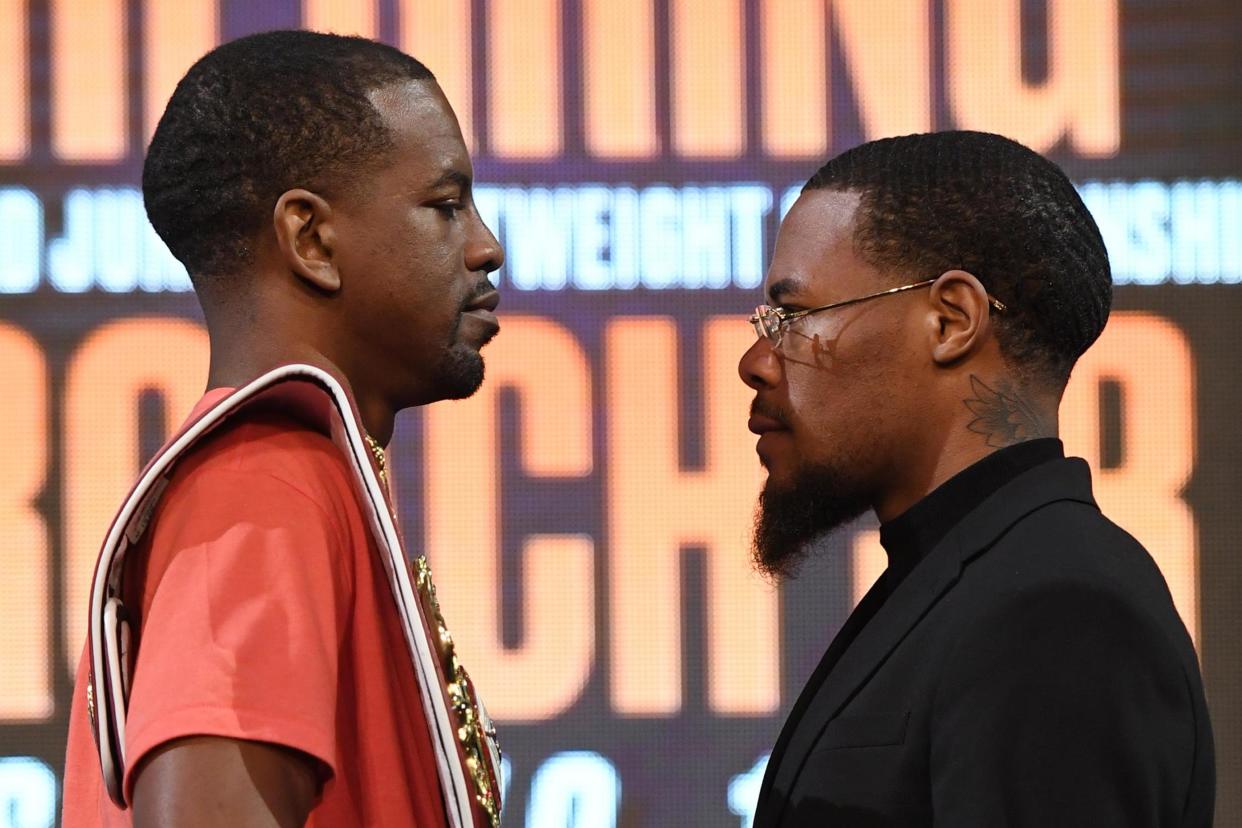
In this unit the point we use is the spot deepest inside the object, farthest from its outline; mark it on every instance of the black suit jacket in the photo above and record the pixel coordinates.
(1030, 671)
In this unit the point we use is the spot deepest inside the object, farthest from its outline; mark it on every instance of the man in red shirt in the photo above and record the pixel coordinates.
(318, 190)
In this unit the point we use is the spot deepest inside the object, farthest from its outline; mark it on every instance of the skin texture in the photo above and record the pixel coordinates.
(383, 282)
(876, 404)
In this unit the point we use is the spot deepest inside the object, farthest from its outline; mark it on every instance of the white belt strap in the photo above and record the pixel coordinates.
(300, 388)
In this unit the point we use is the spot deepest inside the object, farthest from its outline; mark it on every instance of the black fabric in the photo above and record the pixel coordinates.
(1030, 670)
(908, 537)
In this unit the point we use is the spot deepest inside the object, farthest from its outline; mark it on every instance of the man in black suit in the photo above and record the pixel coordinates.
(1020, 662)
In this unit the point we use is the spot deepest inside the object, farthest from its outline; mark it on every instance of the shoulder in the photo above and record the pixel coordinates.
(1071, 547)
(259, 473)
(269, 450)
(1065, 583)
(1072, 524)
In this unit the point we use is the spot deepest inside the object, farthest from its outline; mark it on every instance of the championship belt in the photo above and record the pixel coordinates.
(467, 754)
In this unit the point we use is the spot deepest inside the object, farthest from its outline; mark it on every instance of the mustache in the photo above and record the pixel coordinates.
(761, 408)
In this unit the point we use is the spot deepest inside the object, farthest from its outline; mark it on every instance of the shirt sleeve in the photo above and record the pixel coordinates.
(241, 637)
(1063, 706)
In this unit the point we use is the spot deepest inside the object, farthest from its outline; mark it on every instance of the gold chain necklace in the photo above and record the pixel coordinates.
(381, 459)
(474, 729)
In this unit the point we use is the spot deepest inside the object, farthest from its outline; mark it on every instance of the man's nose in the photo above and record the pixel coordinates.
(760, 367)
(484, 251)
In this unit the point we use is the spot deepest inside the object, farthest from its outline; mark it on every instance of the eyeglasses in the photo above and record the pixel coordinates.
(771, 323)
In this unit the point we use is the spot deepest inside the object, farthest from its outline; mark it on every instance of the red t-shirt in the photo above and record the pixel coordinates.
(265, 614)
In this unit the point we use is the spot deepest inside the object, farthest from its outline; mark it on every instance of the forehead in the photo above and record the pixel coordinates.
(424, 129)
(814, 255)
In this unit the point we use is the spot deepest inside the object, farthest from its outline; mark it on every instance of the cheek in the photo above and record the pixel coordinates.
(437, 266)
(428, 279)
(818, 407)
(434, 261)
(837, 409)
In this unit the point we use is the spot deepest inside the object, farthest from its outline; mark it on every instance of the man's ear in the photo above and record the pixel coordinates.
(959, 321)
(306, 237)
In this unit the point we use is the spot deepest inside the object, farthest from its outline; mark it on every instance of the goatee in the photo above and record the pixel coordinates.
(791, 515)
(461, 366)
(461, 372)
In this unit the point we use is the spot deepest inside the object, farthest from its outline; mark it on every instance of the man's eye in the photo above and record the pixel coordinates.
(450, 208)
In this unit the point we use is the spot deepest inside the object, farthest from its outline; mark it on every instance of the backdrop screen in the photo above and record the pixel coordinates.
(587, 512)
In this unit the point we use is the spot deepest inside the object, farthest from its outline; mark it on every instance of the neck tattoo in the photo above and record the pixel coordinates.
(1002, 416)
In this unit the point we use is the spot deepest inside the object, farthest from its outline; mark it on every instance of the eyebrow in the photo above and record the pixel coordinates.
(784, 288)
(457, 177)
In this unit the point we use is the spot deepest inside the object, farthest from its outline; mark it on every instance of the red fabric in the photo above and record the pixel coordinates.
(265, 614)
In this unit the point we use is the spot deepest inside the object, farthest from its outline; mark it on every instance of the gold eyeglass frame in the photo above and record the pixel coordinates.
(761, 318)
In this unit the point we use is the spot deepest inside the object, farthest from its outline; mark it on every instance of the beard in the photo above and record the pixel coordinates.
(460, 372)
(461, 366)
(790, 515)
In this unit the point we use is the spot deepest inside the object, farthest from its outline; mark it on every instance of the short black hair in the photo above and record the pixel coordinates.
(994, 208)
(256, 117)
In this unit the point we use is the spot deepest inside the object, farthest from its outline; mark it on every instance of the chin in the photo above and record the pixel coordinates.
(461, 373)
(783, 475)
(809, 502)
(779, 473)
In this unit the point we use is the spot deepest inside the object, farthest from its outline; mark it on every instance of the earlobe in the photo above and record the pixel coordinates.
(306, 237)
(959, 321)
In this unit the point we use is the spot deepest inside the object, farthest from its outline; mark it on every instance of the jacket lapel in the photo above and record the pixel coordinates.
(807, 696)
(935, 575)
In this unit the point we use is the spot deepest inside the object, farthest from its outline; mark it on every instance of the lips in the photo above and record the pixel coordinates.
(486, 301)
(761, 424)
(766, 417)
(482, 309)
